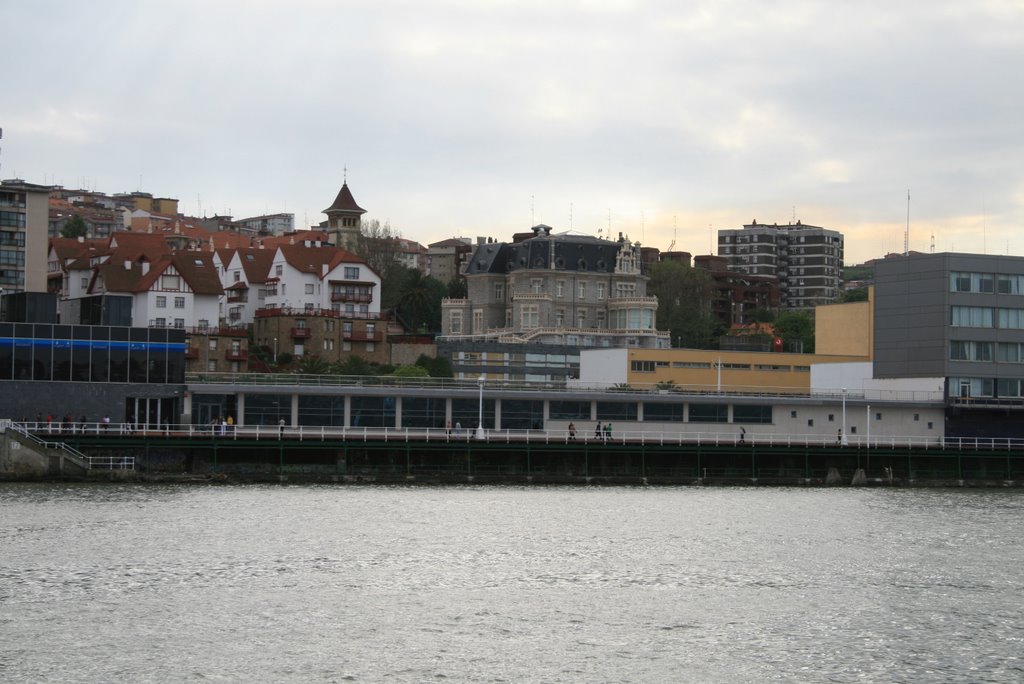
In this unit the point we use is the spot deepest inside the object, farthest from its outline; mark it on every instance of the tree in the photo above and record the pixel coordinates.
(74, 227)
(411, 372)
(415, 298)
(438, 367)
(858, 295)
(457, 289)
(353, 365)
(378, 245)
(796, 328)
(313, 365)
(684, 297)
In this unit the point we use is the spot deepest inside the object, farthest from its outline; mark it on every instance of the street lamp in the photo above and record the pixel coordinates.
(275, 350)
(843, 438)
(480, 412)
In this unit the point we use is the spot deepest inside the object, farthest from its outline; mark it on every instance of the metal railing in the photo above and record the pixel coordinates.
(35, 433)
(43, 432)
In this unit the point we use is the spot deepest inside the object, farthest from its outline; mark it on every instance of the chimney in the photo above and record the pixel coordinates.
(145, 267)
(324, 274)
(127, 264)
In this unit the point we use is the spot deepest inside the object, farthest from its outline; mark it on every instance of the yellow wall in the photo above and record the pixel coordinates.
(845, 328)
(697, 369)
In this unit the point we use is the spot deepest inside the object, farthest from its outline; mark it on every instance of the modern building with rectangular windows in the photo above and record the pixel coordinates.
(959, 317)
(807, 260)
(24, 221)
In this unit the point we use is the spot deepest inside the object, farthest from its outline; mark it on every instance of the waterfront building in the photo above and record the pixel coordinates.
(806, 260)
(24, 223)
(548, 294)
(129, 374)
(958, 317)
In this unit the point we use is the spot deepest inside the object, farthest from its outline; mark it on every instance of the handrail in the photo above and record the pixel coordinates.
(622, 437)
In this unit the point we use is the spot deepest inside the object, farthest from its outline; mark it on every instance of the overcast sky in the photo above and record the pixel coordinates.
(474, 117)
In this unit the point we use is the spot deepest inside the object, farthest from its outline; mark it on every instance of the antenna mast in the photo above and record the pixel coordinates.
(906, 234)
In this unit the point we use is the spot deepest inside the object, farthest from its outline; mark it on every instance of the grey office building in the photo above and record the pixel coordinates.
(954, 316)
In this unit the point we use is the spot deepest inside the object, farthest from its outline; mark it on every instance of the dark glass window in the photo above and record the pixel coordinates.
(616, 410)
(6, 359)
(118, 361)
(663, 413)
(325, 411)
(522, 414)
(42, 359)
(421, 412)
(751, 414)
(466, 412)
(80, 354)
(268, 409)
(569, 410)
(62, 359)
(373, 411)
(709, 413)
(209, 407)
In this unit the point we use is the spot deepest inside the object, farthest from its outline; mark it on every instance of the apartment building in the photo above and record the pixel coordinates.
(807, 260)
(24, 221)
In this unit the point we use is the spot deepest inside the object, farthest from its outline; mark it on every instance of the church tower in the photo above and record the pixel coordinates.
(344, 218)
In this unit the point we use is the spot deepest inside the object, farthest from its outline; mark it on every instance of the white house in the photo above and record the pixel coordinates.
(311, 278)
(180, 290)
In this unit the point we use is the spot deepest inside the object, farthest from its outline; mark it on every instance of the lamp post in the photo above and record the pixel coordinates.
(275, 351)
(480, 412)
(843, 439)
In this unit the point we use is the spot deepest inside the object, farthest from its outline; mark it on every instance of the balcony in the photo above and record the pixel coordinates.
(238, 297)
(301, 333)
(358, 297)
(362, 336)
(236, 354)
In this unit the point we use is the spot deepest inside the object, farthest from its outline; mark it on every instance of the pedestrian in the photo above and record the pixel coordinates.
(743, 435)
(572, 432)
(607, 431)
(231, 423)
(839, 436)
(106, 423)
(448, 428)
(81, 423)
(598, 430)
(458, 428)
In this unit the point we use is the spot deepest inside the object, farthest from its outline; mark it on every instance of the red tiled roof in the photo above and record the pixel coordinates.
(313, 259)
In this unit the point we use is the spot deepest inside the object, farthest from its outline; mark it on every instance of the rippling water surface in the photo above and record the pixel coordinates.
(323, 584)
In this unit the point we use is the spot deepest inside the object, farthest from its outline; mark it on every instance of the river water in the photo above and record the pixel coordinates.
(114, 583)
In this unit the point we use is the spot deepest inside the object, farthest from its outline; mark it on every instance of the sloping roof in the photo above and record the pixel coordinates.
(344, 202)
(199, 272)
(129, 245)
(256, 263)
(196, 268)
(313, 259)
(272, 241)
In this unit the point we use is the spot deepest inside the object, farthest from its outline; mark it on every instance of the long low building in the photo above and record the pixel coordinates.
(251, 401)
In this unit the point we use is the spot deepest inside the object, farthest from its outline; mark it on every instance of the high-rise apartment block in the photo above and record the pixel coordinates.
(24, 220)
(806, 260)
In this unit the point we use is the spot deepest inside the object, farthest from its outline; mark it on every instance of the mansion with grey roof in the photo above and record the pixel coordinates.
(572, 290)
